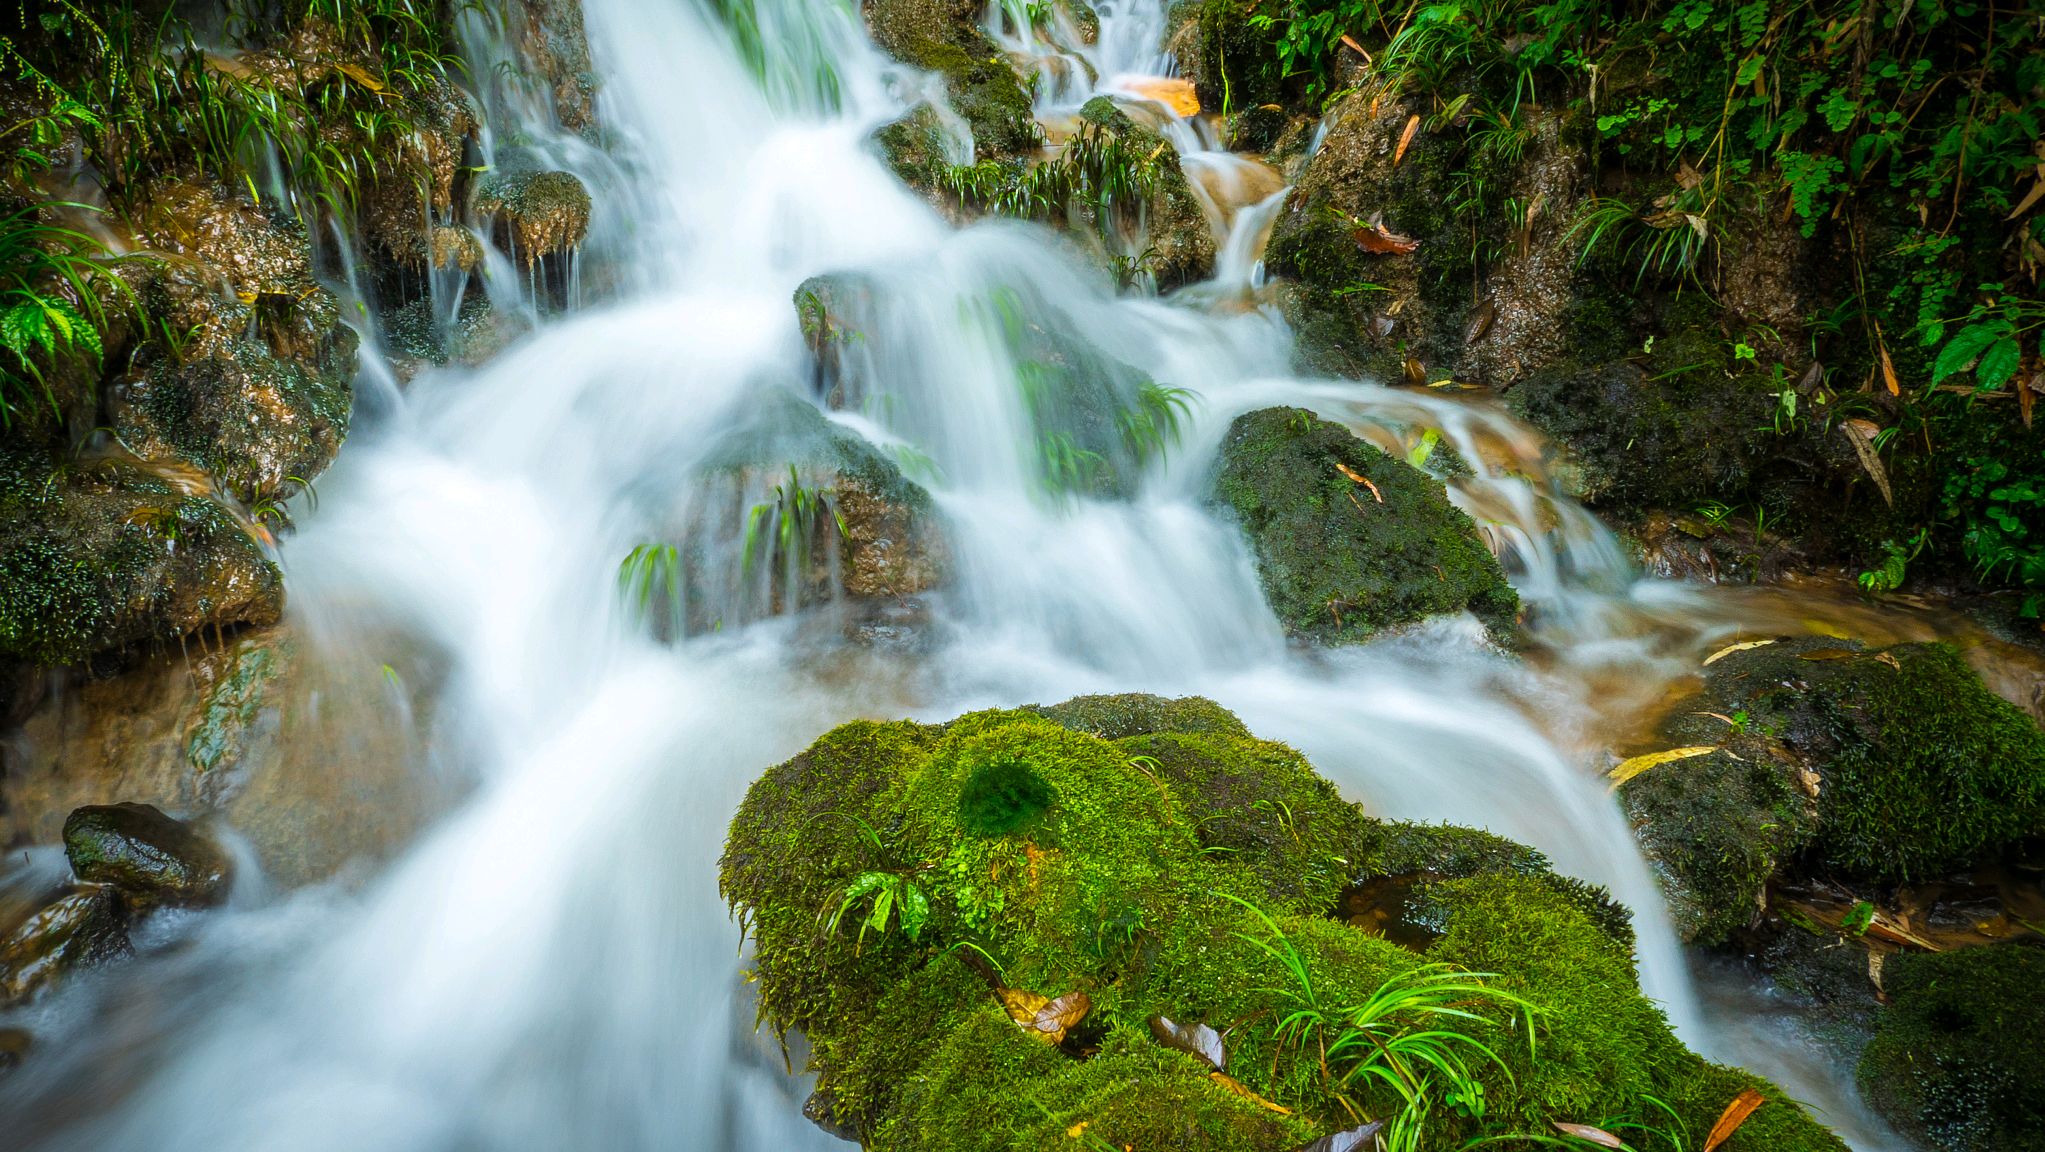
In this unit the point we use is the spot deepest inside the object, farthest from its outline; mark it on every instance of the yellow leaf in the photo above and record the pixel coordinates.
(1634, 766)
(1889, 372)
(1729, 649)
(360, 76)
(1735, 1114)
(1241, 1089)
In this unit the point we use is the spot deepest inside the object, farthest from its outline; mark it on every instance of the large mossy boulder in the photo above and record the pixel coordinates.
(981, 927)
(107, 554)
(1957, 1061)
(1873, 766)
(1350, 542)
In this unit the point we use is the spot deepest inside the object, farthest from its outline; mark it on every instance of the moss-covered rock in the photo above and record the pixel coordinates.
(111, 553)
(1168, 871)
(1956, 1062)
(1861, 765)
(1179, 241)
(537, 214)
(1236, 63)
(1349, 541)
(149, 856)
(945, 36)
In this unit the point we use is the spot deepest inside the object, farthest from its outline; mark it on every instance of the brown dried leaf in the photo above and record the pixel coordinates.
(1056, 1018)
(1889, 371)
(1192, 1039)
(1406, 139)
(1813, 376)
(1022, 1005)
(1861, 434)
(1376, 239)
(1891, 661)
(1688, 177)
(1634, 766)
(1353, 46)
(1416, 372)
(360, 76)
(1353, 1140)
(1598, 1136)
(1241, 1089)
(1480, 322)
(2030, 198)
(1735, 1114)
(1352, 473)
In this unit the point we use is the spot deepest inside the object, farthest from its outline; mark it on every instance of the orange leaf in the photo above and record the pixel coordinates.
(1353, 46)
(1889, 372)
(1405, 139)
(1735, 1114)
(1380, 241)
(1598, 1136)
(1352, 473)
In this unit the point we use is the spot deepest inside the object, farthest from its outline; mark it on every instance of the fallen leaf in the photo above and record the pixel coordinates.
(1022, 1005)
(1405, 139)
(1889, 371)
(1861, 434)
(1352, 473)
(360, 76)
(1598, 1136)
(1192, 1039)
(1716, 716)
(1353, 46)
(1239, 1088)
(1416, 372)
(1055, 1019)
(1735, 1114)
(2030, 198)
(1480, 322)
(1729, 649)
(1375, 238)
(1688, 177)
(1353, 1140)
(1634, 766)
(1813, 376)
(1890, 660)
(1829, 654)
(1380, 496)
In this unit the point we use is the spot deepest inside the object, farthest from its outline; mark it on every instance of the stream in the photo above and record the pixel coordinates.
(550, 965)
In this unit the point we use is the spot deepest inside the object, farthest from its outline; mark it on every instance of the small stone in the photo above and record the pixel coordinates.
(84, 927)
(154, 858)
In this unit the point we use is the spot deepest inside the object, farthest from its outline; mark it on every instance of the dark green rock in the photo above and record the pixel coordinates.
(82, 928)
(1958, 1061)
(1340, 560)
(150, 856)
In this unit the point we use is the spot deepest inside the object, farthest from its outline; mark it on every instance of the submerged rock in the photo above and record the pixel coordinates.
(1863, 765)
(1956, 1062)
(1041, 876)
(149, 856)
(82, 928)
(1350, 542)
(14, 1046)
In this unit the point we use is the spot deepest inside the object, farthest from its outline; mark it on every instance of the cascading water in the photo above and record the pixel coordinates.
(551, 967)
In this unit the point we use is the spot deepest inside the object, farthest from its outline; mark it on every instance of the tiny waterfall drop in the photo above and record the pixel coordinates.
(551, 966)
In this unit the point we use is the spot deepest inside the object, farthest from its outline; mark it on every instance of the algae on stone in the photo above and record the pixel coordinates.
(1056, 860)
(1350, 542)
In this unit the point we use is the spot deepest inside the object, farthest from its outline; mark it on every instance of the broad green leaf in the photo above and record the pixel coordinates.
(1999, 363)
(1965, 345)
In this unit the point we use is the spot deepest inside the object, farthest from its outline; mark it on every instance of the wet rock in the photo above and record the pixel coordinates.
(1233, 62)
(80, 929)
(829, 309)
(555, 43)
(1956, 1063)
(1875, 766)
(149, 856)
(14, 1046)
(478, 332)
(1258, 129)
(312, 760)
(1350, 542)
(1362, 312)
(255, 385)
(1099, 868)
(108, 554)
(945, 36)
(1179, 240)
(539, 214)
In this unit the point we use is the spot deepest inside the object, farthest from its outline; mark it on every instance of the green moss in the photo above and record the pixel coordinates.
(913, 1050)
(1138, 714)
(1239, 61)
(1956, 1062)
(1341, 560)
(946, 38)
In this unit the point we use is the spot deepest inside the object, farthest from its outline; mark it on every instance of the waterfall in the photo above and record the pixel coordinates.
(551, 966)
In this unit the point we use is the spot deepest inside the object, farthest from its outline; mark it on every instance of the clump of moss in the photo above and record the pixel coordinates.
(1155, 874)
(1349, 541)
(946, 37)
(1956, 1062)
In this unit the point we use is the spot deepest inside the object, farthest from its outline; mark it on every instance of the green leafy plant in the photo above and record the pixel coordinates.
(895, 898)
(783, 526)
(51, 284)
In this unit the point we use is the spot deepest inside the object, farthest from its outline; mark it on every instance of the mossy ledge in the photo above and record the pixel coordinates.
(1143, 852)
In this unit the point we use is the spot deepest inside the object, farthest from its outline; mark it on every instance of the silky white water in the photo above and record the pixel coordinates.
(551, 966)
